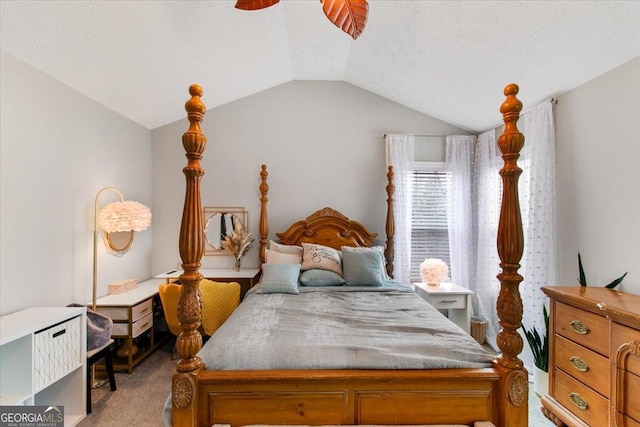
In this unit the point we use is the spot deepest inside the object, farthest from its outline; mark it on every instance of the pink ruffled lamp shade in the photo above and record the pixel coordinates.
(124, 216)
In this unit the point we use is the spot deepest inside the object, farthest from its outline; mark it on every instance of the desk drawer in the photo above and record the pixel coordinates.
(583, 402)
(587, 329)
(448, 301)
(141, 310)
(121, 314)
(142, 325)
(57, 351)
(115, 313)
(585, 365)
(121, 329)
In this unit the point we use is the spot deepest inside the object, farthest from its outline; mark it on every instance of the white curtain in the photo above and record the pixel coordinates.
(538, 207)
(399, 154)
(460, 160)
(487, 196)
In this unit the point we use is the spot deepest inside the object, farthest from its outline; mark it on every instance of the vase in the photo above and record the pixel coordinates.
(540, 381)
(238, 264)
(433, 284)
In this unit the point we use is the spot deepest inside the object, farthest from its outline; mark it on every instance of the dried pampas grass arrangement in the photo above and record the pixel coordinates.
(237, 242)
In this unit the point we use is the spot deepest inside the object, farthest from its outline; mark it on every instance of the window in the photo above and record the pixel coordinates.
(429, 228)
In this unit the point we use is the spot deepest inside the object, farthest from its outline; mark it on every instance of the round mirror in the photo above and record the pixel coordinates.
(118, 242)
(217, 223)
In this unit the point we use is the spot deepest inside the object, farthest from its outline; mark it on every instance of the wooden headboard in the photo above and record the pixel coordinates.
(327, 226)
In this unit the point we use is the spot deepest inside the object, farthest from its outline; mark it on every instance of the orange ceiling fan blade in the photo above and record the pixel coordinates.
(348, 15)
(254, 4)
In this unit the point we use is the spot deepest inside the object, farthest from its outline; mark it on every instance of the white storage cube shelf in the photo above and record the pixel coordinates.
(43, 359)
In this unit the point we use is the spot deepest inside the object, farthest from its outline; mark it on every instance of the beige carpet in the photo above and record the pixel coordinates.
(140, 396)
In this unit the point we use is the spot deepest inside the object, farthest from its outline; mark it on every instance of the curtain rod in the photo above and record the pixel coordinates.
(426, 135)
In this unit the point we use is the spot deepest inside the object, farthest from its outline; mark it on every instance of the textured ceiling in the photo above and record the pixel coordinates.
(447, 59)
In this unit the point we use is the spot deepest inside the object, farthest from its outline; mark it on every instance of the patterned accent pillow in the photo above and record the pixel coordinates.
(317, 277)
(363, 266)
(274, 257)
(321, 257)
(279, 278)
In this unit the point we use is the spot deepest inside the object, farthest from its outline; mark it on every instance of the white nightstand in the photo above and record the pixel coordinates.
(452, 300)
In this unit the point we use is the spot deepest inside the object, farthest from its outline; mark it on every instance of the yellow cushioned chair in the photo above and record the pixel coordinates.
(169, 296)
(218, 299)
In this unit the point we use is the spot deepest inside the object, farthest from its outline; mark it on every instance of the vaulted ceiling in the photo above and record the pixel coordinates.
(447, 59)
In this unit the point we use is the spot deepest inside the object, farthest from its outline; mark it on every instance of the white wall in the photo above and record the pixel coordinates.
(322, 142)
(598, 178)
(58, 149)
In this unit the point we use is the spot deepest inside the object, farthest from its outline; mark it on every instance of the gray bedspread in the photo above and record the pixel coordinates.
(341, 328)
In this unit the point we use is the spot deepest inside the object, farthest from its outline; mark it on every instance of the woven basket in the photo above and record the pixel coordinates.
(478, 329)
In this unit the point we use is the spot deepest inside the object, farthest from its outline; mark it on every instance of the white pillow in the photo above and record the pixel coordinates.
(274, 257)
(321, 257)
(285, 249)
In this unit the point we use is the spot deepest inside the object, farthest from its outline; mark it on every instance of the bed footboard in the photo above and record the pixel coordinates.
(328, 397)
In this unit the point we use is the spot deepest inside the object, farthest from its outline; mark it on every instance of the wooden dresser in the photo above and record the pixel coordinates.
(594, 359)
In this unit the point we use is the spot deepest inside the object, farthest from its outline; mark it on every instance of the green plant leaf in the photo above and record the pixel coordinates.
(583, 277)
(616, 282)
(545, 346)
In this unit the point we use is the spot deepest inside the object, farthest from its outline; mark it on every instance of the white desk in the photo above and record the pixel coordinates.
(452, 300)
(247, 277)
(134, 314)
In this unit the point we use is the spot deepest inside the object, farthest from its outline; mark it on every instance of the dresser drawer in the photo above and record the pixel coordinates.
(571, 392)
(583, 327)
(631, 390)
(621, 334)
(629, 422)
(57, 351)
(448, 301)
(583, 364)
(142, 325)
(141, 310)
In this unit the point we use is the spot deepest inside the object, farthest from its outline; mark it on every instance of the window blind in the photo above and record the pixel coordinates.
(429, 227)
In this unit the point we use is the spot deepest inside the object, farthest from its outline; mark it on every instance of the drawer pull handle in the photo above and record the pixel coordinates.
(144, 309)
(448, 301)
(579, 363)
(57, 334)
(579, 327)
(578, 401)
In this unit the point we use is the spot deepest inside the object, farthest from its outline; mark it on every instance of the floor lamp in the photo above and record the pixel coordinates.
(118, 217)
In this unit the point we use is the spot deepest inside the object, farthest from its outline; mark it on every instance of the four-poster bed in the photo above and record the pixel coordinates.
(203, 397)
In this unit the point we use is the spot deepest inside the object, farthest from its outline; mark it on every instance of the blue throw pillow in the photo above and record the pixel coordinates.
(279, 278)
(362, 266)
(317, 277)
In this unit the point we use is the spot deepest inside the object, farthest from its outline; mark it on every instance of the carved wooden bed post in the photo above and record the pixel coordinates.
(191, 245)
(389, 251)
(264, 216)
(514, 381)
